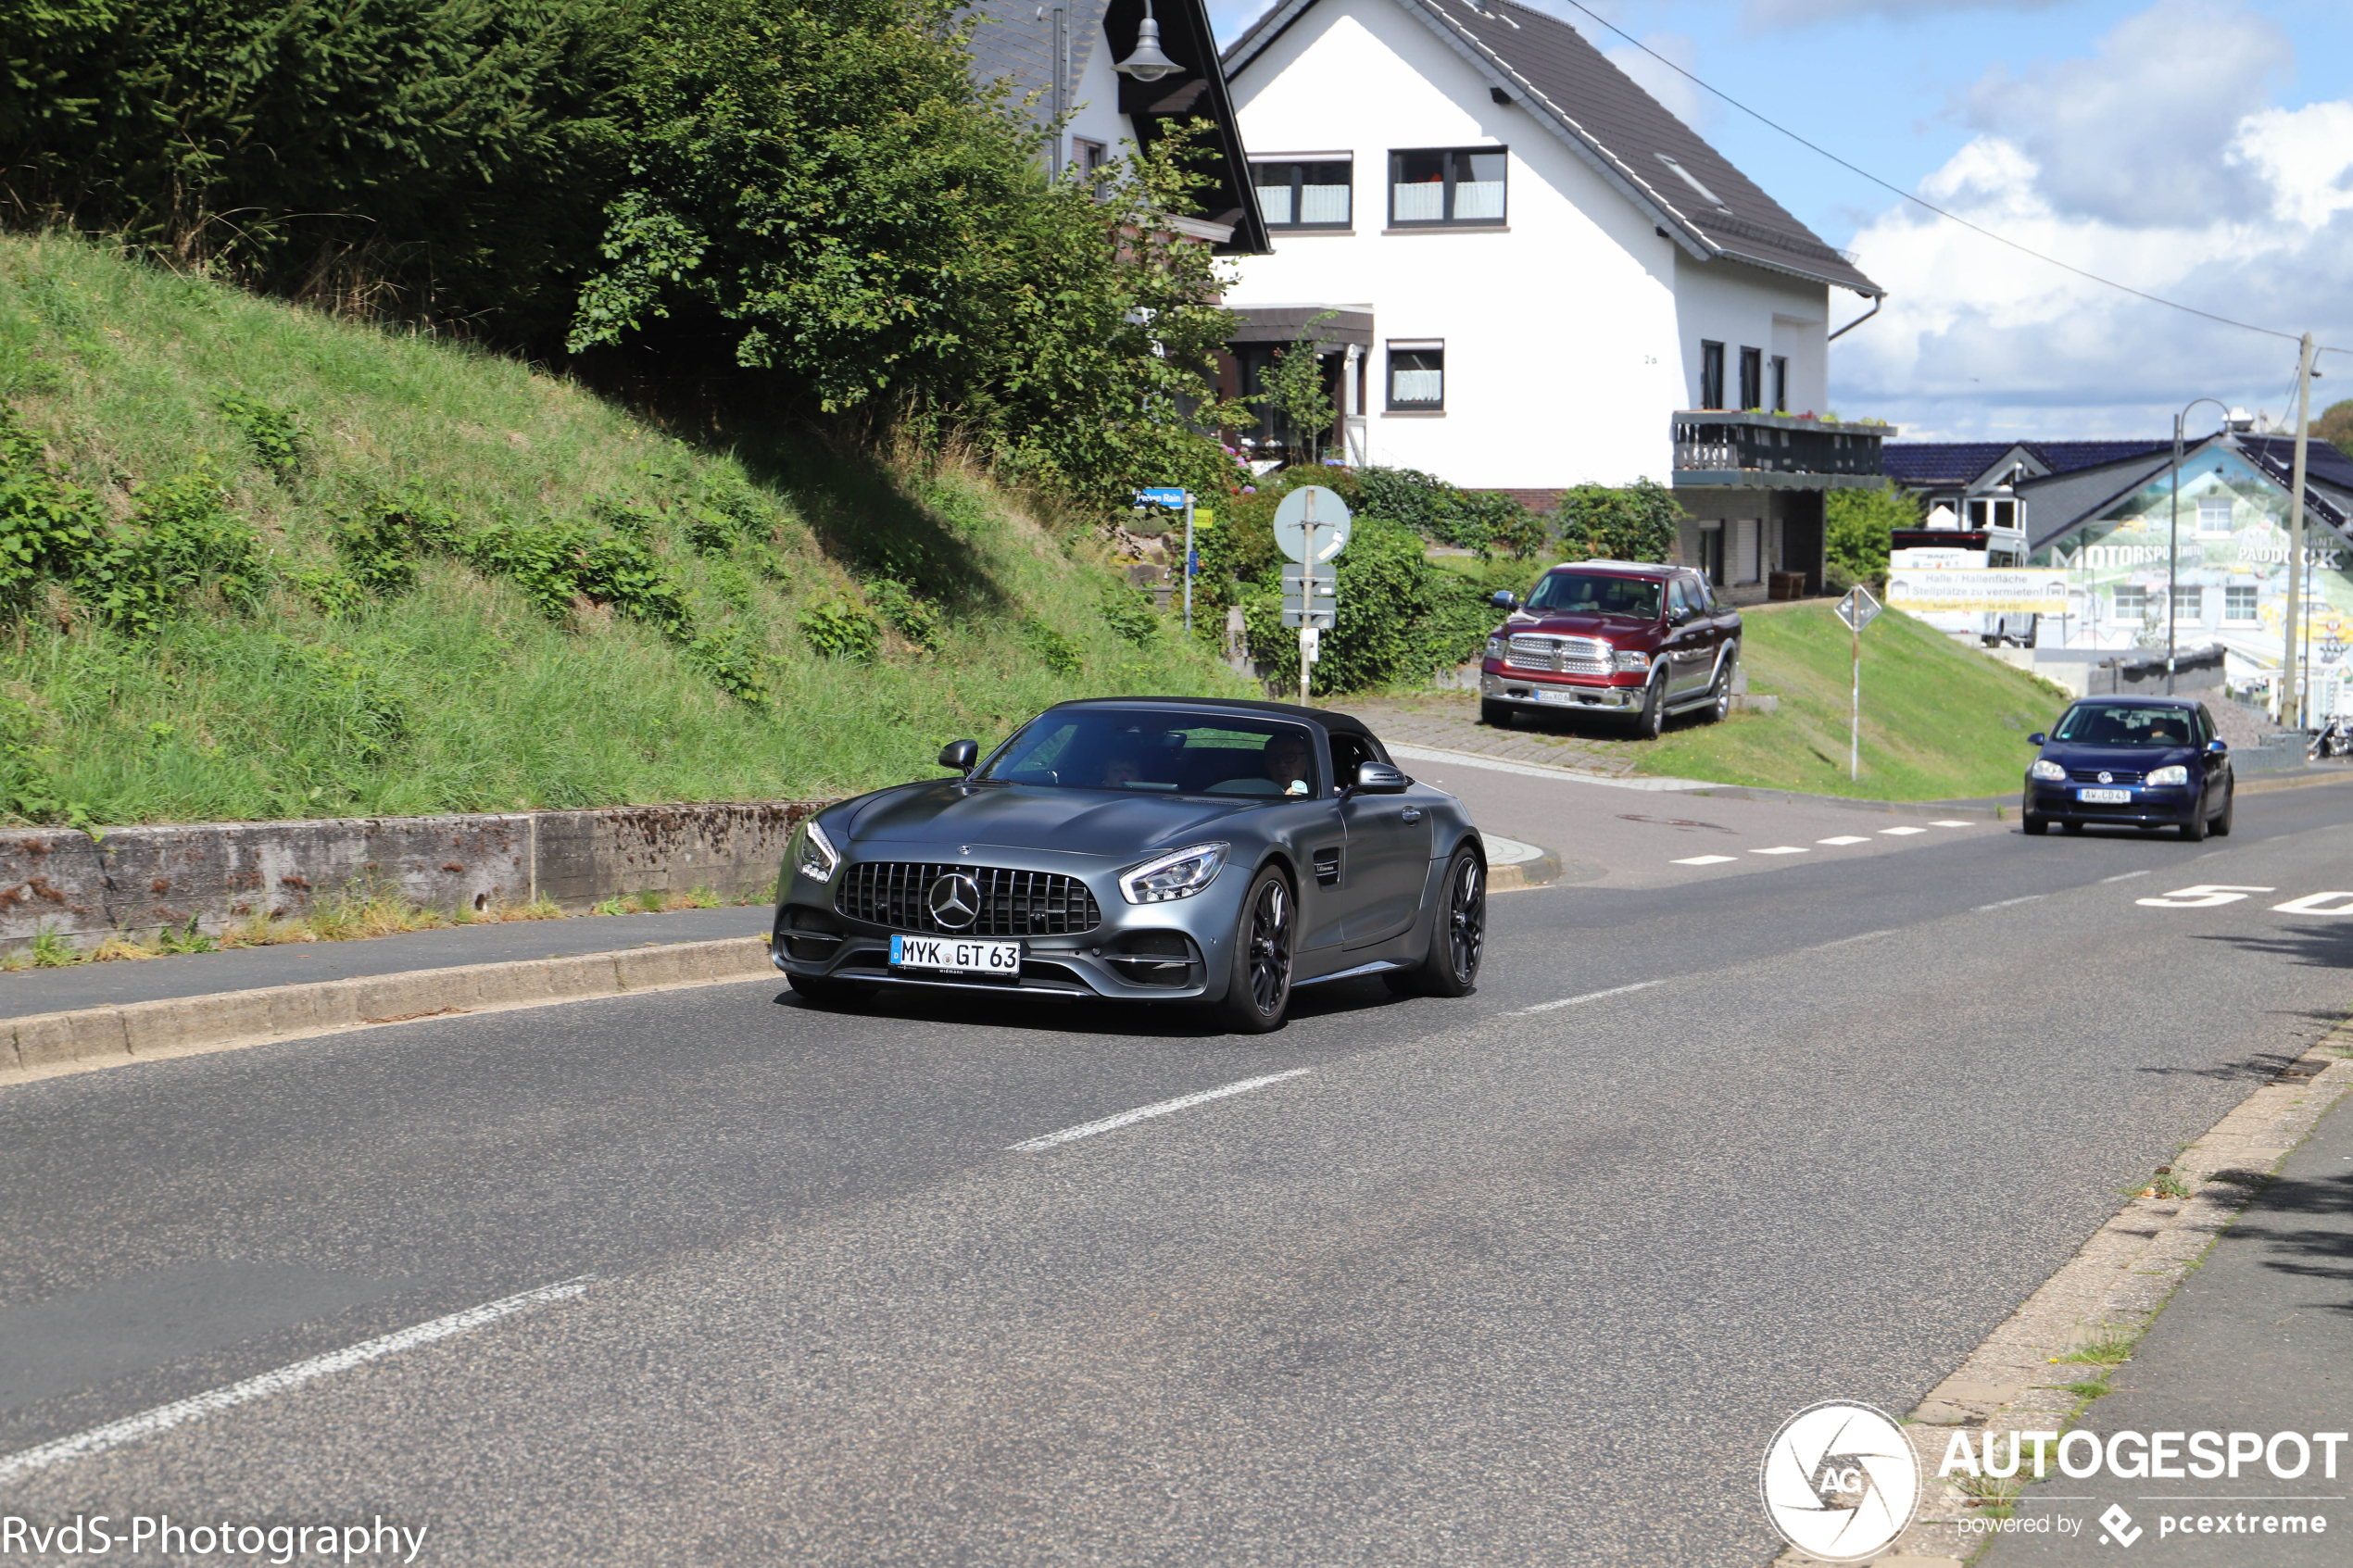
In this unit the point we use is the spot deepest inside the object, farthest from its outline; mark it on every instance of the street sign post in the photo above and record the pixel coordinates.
(1858, 610)
(1174, 496)
(1311, 526)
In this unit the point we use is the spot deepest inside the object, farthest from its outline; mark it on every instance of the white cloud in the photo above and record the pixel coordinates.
(2164, 170)
(1762, 16)
(1684, 101)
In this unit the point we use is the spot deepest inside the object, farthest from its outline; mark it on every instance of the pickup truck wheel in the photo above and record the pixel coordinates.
(1653, 715)
(1719, 697)
(1494, 715)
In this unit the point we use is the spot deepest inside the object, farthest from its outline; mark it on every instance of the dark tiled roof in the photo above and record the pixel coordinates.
(1939, 463)
(2321, 461)
(1012, 42)
(2060, 502)
(2064, 501)
(1548, 68)
(2066, 457)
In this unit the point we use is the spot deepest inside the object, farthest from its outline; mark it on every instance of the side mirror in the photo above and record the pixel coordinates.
(1504, 600)
(959, 755)
(2217, 746)
(2038, 738)
(1379, 778)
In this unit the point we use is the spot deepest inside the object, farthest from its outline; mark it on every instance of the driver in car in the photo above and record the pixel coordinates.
(1287, 763)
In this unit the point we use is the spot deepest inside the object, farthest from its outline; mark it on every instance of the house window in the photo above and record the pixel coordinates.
(1993, 514)
(1460, 187)
(2238, 602)
(1752, 378)
(1781, 384)
(1711, 377)
(1711, 552)
(2214, 516)
(1416, 376)
(2132, 602)
(1089, 157)
(2189, 601)
(1304, 194)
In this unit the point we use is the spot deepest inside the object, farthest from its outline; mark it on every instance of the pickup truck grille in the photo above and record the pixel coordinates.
(2116, 775)
(896, 894)
(1561, 656)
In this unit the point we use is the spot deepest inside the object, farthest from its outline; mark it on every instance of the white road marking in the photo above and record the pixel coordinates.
(1902, 830)
(2007, 902)
(1858, 936)
(146, 1423)
(1780, 849)
(1144, 1112)
(1952, 824)
(2316, 904)
(1542, 770)
(2125, 877)
(2205, 896)
(1703, 861)
(1587, 997)
(1844, 838)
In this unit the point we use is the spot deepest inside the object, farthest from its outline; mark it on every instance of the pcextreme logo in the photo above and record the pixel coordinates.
(1840, 1481)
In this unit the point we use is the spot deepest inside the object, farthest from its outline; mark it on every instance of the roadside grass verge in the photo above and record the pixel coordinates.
(1940, 722)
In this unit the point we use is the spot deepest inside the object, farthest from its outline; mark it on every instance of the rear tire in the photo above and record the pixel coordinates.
(2037, 826)
(1258, 980)
(1653, 715)
(2222, 823)
(824, 993)
(1457, 934)
(1719, 697)
(1494, 715)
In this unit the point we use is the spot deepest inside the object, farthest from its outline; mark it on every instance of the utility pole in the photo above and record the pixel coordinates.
(2174, 550)
(2292, 625)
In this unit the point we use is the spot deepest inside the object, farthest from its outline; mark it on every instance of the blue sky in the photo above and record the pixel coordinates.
(2202, 151)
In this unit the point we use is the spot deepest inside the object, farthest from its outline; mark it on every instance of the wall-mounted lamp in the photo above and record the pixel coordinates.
(1148, 64)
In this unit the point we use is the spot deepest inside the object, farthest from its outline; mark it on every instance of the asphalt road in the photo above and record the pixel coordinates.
(1483, 1284)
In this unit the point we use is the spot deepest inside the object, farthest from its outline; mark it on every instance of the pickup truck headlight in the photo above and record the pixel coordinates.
(2176, 774)
(814, 855)
(1495, 646)
(1180, 875)
(1628, 660)
(2048, 771)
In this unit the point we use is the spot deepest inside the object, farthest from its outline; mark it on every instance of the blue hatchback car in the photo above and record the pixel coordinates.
(2147, 762)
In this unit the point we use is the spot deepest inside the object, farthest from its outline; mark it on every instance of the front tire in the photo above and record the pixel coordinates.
(1258, 985)
(1494, 715)
(2037, 826)
(2194, 831)
(1457, 934)
(1653, 714)
(2222, 823)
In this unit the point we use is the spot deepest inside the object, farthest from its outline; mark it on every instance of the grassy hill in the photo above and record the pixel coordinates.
(469, 585)
(1940, 722)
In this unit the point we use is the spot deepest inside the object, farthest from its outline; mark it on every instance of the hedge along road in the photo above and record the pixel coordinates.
(1488, 1281)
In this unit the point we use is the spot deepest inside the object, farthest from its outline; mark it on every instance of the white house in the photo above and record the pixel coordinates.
(1538, 277)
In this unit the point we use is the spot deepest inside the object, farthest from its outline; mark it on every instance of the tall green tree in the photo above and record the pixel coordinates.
(1858, 528)
(1295, 389)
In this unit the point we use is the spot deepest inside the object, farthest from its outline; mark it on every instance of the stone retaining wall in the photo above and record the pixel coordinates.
(138, 881)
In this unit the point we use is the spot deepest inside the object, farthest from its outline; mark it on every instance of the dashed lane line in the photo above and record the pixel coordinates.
(1587, 997)
(1900, 832)
(1780, 849)
(1144, 1112)
(1705, 860)
(1844, 838)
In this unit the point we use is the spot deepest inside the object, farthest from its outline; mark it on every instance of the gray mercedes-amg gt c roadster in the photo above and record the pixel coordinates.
(1146, 849)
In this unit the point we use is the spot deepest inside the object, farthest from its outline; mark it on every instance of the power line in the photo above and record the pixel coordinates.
(1950, 217)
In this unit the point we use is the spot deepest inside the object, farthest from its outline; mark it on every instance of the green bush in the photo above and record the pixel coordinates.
(1859, 529)
(1130, 613)
(839, 629)
(274, 434)
(1635, 523)
(1059, 653)
(915, 618)
(1400, 617)
(1478, 520)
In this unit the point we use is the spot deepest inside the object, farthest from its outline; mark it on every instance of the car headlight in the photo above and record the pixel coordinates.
(813, 854)
(2176, 774)
(1636, 662)
(2045, 769)
(1496, 647)
(1180, 875)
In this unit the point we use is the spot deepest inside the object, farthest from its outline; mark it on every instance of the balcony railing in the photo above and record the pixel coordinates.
(1715, 441)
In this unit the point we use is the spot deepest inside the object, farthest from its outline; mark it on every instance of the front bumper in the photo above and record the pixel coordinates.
(1499, 683)
(1171, 952)
(2168, 806)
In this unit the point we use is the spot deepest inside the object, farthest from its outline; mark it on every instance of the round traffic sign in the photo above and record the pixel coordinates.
(1312, 507)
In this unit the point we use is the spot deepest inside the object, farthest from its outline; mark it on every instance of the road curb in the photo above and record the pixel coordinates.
(2118, 1282)
(49, 1045)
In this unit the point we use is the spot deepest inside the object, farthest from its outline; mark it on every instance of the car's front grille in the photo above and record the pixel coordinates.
(2115, 775)
(1562, 656)
(897, 894)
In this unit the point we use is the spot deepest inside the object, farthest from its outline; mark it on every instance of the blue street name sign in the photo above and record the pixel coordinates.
(1163, 496)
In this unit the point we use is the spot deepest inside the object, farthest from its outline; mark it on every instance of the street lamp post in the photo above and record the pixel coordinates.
(2174, 533)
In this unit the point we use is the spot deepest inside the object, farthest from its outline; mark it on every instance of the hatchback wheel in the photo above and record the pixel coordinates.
(2222, 823)
(2037, 826)
(2195, 829)
(1258, 986)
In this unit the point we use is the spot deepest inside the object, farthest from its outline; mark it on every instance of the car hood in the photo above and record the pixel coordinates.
(2120, 759)
(1076, 821)
(1612, 626)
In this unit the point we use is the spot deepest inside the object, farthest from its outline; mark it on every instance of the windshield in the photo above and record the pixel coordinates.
(1159, 754)
(2100, 723)
(1594, 594)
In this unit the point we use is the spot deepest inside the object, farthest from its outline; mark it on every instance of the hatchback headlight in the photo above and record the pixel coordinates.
(813, 854)
(1630, 661)
(2045, 769)
(1496, 647)
(1180, 875)
(2176, 774)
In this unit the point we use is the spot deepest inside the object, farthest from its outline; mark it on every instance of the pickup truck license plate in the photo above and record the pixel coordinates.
(2104, 796)
(1558, 696)
(999, 959)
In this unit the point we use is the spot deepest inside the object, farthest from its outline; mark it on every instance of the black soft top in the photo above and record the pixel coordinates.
(1338, 723)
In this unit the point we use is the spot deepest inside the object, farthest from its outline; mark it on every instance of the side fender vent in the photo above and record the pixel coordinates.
(1327, 868)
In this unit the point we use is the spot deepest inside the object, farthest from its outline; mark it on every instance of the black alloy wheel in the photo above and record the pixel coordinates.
(1258, 990)
(1457, 934)
(1653, 716)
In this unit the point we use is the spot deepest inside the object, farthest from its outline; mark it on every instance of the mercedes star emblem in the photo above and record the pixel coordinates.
(954, 900)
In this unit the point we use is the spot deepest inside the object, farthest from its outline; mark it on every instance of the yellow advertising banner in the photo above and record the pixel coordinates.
(1990, 590)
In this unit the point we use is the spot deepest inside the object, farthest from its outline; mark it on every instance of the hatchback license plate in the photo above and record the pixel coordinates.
(2104, 796)
(999, 959)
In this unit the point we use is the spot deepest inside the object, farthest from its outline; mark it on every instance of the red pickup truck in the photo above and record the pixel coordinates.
(1613, 636)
